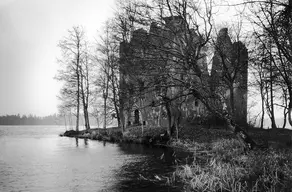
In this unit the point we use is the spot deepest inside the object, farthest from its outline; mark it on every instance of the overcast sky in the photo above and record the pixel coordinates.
(29, 34)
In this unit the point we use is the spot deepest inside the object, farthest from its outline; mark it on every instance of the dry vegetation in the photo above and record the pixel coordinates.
(221, 163)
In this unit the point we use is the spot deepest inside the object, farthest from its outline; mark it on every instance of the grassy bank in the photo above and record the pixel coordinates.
(111, 135)
(221, 163)
(131, 135)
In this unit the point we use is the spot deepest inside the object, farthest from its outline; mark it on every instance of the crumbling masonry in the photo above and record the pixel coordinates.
(228, 72)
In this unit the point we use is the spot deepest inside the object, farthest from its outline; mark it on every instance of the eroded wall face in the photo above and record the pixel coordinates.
(191, 109)
(231, 60)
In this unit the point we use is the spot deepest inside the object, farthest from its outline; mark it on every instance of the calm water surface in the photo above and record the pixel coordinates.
(35, 158)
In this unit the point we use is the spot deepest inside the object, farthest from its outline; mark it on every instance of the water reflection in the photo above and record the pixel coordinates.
(86, 142)
(141, 176)
(149, 171)
(53, 163)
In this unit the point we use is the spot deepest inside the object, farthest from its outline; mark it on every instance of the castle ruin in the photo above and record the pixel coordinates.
(228, 75)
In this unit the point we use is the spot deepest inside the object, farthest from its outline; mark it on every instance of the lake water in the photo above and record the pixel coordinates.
(35, 158)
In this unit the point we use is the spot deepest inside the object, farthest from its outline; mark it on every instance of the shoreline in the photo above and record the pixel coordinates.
(114, 135)
(219, 159)
(190, 137)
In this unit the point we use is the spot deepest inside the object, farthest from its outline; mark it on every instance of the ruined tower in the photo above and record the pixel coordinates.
(229, 75)
(140, 58)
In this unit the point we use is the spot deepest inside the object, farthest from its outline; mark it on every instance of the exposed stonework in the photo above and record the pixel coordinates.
(229, 75)
(135, 110)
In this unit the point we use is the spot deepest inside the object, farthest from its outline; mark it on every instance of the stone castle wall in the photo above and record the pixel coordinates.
(136, 111)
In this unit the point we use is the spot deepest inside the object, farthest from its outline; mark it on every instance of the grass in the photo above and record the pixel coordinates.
(134, 134)
(136, 131)
(222, 165)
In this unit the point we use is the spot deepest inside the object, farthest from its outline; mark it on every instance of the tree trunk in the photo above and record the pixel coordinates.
(119, 122)
(232, 102)
(169, 117)
(78, 102)
(116, 107)
(115, 96)
(84, 96)
(97, 121)
(87, 125)
(84, 104)
(78, 82)
(290, 105)
(274, 126)
(290, 113)
(105, 111)
(263, 107)
(272, 113)
(122, 118)
(285, 119)
(285, 111)
(87, 95)
(85, 113)
(105, 96)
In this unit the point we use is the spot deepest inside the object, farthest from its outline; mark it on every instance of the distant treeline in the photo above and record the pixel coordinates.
(30, 120)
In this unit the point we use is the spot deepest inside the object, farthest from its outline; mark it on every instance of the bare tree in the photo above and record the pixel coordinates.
(85, 83)
(273, 21)
(284, 98)
(259, 75)
(103, 84)
(72, 48)
(107, 59)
